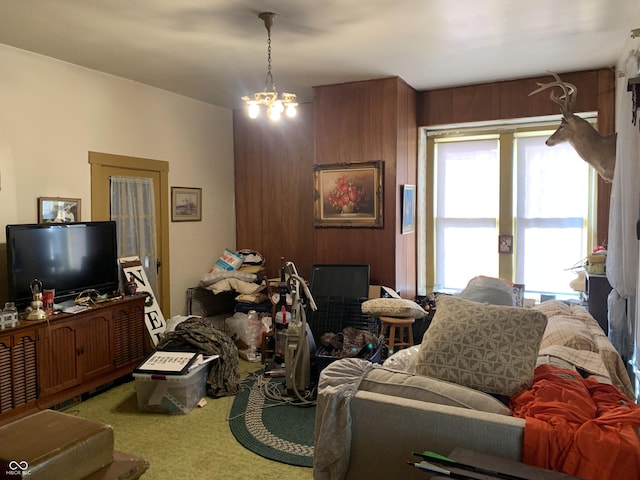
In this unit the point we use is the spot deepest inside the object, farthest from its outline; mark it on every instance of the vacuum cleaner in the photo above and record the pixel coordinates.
(300, 347)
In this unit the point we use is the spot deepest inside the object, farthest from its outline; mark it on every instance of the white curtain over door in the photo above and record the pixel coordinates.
(133, 210)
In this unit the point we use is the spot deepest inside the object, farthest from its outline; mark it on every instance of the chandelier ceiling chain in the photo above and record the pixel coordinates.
(268, 82)
(274, 102)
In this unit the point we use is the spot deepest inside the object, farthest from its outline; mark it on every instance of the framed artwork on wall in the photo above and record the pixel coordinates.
(186, 204)
(505, 243)
(349, 194)
(408, 208)
(58, 210)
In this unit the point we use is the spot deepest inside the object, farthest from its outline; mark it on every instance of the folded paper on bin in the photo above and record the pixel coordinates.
(167, 363)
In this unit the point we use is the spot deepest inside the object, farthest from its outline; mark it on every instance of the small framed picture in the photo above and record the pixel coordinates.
(58, 210)
(186, 204)
(408, 208)
(505, 243)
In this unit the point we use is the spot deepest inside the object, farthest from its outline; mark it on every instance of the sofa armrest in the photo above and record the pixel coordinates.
(385, 429)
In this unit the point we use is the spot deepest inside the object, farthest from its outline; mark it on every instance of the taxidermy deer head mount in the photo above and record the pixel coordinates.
(597, 150)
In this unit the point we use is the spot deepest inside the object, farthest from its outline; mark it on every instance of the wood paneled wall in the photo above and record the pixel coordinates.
(354, 122)
(510, 99)
(359, 122)
(364, 121)
(274, 188)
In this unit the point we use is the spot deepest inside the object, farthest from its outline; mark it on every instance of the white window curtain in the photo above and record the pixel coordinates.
(622, 256)
(543, 192)
(467, 208)
(133, 210)
(551, 214)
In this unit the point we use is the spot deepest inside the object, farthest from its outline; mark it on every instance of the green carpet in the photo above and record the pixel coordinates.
(273, 428)
(197, 446)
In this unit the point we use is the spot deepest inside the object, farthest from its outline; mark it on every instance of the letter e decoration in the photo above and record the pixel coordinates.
(154, 320)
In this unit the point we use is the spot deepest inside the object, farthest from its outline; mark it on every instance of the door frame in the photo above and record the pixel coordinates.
(100, 207)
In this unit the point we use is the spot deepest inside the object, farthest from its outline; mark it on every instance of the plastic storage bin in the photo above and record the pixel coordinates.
(173, 394)
(323, 360)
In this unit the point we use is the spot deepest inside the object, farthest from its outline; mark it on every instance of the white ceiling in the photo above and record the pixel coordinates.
(216, 50)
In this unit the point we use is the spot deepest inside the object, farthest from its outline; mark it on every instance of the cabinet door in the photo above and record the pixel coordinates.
(18, 379)
(95, 348)
(6, 387)
(58, 352)
(129, 334)
(23, 368)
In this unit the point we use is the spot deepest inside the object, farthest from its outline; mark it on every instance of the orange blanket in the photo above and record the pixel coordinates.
(579, 426)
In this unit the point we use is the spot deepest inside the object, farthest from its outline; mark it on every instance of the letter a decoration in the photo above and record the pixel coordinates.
(154, 320)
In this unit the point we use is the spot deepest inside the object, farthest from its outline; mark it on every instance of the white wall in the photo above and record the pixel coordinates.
(53, 113)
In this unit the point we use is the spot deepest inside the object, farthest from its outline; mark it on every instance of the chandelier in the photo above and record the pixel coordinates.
(275, 103)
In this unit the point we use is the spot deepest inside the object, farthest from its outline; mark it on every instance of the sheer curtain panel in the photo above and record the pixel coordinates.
(133, 210)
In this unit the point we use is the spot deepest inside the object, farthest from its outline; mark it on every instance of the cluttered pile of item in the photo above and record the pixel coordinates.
(277, 322)
(242, 272)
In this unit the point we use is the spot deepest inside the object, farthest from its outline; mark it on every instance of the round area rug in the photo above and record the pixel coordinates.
(275, 430)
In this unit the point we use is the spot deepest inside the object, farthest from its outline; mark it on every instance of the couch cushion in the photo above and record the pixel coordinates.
(425, 389)
(492, 348)
(489, 290)
(569, 332)
(403, 360)
(393, 307)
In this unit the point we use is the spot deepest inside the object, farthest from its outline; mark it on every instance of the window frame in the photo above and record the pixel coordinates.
(506, 132)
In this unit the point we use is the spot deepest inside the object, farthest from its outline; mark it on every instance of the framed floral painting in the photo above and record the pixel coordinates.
(349, 194)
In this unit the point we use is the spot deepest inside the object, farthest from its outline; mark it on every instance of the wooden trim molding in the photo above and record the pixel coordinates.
(508, 100)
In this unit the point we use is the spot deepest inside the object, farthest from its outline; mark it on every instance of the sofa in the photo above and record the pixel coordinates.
(370, 418)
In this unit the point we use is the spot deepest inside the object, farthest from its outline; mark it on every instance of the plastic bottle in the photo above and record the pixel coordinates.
(10, 315)
(282, 316)
(254, 322)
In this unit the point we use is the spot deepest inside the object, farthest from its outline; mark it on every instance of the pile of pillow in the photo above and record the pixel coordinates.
(237, 271)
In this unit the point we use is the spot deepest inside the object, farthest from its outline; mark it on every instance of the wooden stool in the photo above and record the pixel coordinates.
(394, 329)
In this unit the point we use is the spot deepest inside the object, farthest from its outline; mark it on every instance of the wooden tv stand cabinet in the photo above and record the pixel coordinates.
(44, 363)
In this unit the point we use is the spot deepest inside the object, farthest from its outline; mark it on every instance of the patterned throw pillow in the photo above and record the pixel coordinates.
(492, 348)
(393, 307)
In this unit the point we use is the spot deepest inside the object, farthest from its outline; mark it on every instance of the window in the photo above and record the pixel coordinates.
(508, 182)
(467, 204)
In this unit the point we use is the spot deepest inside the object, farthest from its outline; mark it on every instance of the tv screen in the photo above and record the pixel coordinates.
(351, 281)
(69, 257)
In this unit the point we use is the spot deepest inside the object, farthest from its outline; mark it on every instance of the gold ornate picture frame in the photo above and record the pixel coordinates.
(349, 194)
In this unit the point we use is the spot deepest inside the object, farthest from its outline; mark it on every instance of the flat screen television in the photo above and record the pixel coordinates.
(70, 257)
(343, 280)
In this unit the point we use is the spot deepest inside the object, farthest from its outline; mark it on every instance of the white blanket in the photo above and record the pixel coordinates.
(333, 417)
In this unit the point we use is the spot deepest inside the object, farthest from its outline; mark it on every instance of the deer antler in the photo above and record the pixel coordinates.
(567, 100)
(598, 151)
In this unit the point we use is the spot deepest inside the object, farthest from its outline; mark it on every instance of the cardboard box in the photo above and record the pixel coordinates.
(379, 291)
(173, 394)
(51, 444)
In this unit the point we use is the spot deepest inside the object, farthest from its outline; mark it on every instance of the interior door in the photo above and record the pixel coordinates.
(104, 166)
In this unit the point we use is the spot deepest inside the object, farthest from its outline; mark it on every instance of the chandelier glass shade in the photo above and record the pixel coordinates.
(275, 103)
